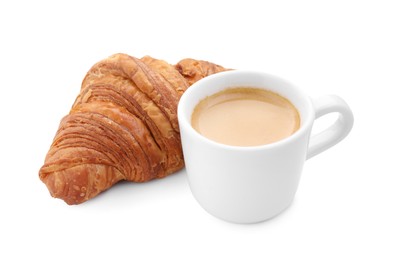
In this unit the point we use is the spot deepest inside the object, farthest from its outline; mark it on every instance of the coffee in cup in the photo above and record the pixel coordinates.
(249, 184)
(245, 116)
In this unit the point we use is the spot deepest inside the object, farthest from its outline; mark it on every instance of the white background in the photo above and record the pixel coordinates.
(344, 206)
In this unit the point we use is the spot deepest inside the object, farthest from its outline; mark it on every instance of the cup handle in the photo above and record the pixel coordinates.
(337, 131)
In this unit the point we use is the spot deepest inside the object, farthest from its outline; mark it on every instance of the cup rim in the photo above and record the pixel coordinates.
(185, 123)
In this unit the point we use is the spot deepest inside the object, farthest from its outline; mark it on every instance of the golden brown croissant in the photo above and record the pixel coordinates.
(122, 126)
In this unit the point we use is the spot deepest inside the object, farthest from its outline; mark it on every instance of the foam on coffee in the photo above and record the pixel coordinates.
(245, 116)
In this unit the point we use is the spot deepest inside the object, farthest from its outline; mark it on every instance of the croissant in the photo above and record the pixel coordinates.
(122, 126)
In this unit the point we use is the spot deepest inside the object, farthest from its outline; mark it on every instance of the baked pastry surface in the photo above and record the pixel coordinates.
(122, 126)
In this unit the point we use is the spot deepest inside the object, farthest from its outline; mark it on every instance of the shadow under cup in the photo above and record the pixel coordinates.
(244, 184)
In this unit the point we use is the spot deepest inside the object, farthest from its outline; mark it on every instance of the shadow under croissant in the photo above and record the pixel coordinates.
(127, 194)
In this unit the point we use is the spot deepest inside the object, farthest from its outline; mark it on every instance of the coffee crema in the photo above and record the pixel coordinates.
(245, 116)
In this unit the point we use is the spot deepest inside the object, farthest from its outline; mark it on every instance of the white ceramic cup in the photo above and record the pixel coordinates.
(253, 184)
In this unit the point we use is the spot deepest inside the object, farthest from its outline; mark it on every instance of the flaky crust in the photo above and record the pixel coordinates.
(194, 70)
(122, 126)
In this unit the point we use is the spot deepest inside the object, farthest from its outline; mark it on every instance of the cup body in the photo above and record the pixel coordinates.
(244, 184)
